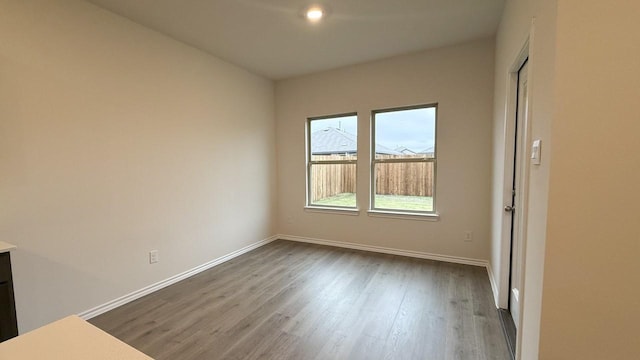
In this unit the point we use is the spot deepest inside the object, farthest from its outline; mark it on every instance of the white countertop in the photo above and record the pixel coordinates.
(5, 247)
(68, 339)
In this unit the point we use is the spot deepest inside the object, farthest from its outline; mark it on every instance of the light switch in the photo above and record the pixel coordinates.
(535, 152)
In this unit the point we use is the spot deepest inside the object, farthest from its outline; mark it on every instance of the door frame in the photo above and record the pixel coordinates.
(525, 52)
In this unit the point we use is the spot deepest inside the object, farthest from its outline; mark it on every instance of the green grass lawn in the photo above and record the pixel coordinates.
(394, 202)
(344, 199)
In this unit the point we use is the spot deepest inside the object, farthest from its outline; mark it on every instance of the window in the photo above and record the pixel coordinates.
(403, 166)
(332, 152)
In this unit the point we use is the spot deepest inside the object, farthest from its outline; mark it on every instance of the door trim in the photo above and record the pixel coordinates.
(525, 52)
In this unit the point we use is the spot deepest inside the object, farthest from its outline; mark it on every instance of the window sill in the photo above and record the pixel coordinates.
(403, 215)
(332, 210)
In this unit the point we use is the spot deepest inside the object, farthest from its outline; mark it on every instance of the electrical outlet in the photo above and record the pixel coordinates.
(468, 236)
(154, 257)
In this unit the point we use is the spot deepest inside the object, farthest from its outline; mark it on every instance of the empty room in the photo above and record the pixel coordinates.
(285, 179)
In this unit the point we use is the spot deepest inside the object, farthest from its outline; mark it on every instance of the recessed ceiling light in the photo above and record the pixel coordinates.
(314, 13)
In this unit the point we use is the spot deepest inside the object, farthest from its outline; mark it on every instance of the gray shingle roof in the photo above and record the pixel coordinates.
(335, 141)
(429, 151)
(405, 150)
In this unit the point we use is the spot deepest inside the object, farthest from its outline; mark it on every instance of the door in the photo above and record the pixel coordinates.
(515, 208)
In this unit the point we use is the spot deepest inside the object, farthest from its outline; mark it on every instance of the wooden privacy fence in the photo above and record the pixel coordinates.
(332, 179)
(407, 178)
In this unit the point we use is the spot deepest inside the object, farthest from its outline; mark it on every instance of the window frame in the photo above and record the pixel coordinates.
(373, 210)
(310, 163)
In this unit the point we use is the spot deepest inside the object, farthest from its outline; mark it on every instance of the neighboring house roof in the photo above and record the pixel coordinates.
(429, 151)
(405, 150)
(381, 149)
(335, 141)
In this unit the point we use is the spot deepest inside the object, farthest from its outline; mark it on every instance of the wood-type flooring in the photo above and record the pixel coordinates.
(289, 300)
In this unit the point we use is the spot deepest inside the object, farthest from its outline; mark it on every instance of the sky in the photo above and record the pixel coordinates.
(346, 123)
(414, 129)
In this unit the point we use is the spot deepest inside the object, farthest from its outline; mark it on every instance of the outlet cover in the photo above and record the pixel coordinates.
(154, 257)
(468, 235)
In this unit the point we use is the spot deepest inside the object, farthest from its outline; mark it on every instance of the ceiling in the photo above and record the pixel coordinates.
(271, 38)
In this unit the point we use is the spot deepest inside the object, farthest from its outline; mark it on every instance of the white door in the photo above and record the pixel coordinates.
(515, 208)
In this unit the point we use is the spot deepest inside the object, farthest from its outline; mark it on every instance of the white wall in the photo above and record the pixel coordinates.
(460, 80)
(591, 297)
(115, 140)
(585, 86)
(514, 29)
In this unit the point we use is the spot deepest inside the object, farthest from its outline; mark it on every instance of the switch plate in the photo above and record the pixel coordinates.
(154, 257)
(535, 152)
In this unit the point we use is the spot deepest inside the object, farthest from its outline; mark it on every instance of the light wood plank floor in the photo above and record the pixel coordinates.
(290, 300)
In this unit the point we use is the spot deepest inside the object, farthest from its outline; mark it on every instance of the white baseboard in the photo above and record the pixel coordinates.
(101, 309)
(494, 285)
(416, 254)
(385, 250)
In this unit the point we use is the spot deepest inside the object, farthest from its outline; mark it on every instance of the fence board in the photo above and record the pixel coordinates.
(411, 179)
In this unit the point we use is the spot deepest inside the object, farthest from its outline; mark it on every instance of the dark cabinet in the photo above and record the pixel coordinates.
(8, 323)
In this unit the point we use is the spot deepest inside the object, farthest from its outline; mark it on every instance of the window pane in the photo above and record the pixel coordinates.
(333, 185)
(334, 138)
(404, 186)
(405, 133)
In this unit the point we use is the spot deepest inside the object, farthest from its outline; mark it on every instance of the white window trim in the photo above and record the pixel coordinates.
(320, 208)
(399, 213)
(404, 215)
(332, 210)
